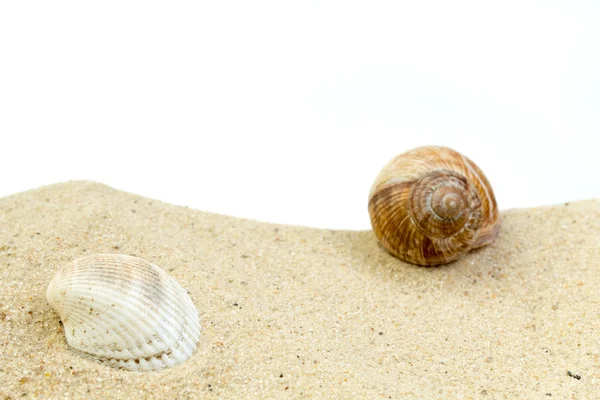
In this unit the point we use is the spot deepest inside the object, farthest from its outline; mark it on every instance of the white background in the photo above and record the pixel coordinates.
(284, 111)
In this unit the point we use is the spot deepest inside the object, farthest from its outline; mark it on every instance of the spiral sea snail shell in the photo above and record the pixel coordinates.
(432, 205)
(125, 312)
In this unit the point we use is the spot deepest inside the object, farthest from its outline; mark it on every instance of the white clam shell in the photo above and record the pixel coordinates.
(125, 312)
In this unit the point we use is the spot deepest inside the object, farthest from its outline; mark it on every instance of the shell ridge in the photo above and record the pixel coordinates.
(125, 312)
(139, 298)
(85, 324)
(110, 316)
(150, 322)
(142, 298)
(133, 340)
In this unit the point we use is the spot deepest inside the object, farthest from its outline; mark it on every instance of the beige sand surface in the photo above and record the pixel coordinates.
(290, 312)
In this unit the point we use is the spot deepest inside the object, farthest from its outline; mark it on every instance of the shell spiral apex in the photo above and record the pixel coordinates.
(125, 312)
(432, 205)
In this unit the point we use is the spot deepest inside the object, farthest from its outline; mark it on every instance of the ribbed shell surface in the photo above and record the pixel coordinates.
(125, 312)
(431, 205)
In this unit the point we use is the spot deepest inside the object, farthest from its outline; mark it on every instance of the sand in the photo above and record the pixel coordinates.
(294, 312)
